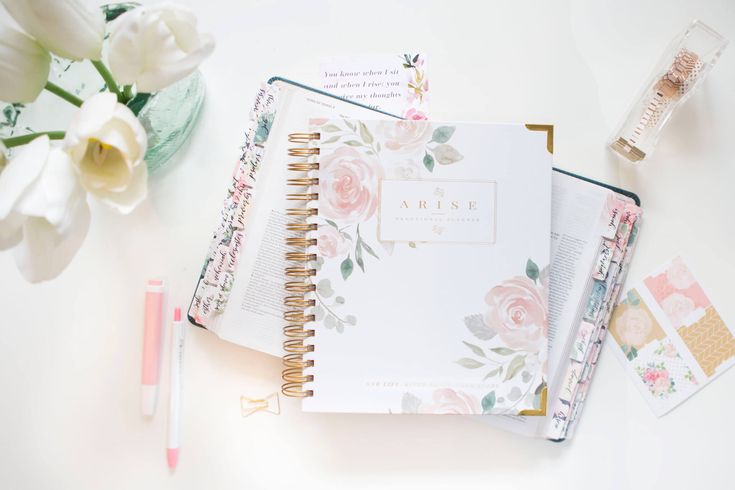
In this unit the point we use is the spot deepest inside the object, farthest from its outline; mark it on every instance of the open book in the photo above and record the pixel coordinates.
(239, 295)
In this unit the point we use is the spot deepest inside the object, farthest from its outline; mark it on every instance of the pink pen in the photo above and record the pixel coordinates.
(154, 298)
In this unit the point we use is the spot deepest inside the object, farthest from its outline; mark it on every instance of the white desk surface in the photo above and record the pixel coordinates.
(70, 350)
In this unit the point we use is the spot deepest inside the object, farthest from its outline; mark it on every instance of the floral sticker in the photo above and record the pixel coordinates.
(657, 379)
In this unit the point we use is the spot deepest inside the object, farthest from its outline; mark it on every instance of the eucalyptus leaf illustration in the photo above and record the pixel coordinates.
(532, 270)
(324, 288)
(330, 321)
(495, 372)
(365, 134)
(346, 267)
(353, 143)
(488, 402)
(503, 351)
(442, 134)
(469, 363)
(331, 223)
(474, 348)
(358, 255)
(339, 300)
(525, 376)
(351, 320)
(447, 154)
(412, 244)
(429, 162)
(369, 249)
(329, 128)
(318, 313)
(515, 367)
(333, 139)
(340, 327)
(478, 328)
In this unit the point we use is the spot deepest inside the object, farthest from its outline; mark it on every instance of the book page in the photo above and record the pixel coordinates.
(254, 313)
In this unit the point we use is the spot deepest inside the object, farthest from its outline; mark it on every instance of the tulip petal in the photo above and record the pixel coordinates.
(22, 170)
(11, 230)
(24, 66)
(154, 47)
(72, 29)
(127, 200)
(45, 252)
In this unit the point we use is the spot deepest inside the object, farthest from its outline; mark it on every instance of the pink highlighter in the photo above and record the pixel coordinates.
(153, 328)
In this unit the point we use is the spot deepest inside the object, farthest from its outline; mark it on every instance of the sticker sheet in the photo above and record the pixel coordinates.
(670, 336)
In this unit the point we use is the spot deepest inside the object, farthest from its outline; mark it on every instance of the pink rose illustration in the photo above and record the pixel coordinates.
(670, 350)
(661, 384)
(448, 401)
(413, 115)
(330, 242)
(318, 121)
(634, 326)
(518, 313)
(679, 275)
(348, 185)
(405, 136)
(677, 307)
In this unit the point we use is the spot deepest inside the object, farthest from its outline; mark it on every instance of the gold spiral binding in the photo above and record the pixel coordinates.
(297, 301)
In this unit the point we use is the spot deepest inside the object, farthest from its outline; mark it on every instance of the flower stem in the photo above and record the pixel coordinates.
(128, 93)
(107, 77)
(56, 90)
(27, 138)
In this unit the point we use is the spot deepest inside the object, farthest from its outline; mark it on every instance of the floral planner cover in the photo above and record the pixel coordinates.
(433, 245)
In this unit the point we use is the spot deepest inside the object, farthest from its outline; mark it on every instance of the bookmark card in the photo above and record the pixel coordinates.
(670, 337)
(393, 83)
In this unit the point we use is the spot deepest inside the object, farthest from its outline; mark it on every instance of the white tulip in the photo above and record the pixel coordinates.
(72, 29)
(107, 144)
(44, 214)
(153, 47)
(24, 66)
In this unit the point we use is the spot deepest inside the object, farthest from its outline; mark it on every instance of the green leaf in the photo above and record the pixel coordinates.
(429, 162)
(329, 128)
(365, 133)
(412, 244)
(532, 270)
(442, 134)
(474, 348)
(351, 320)
(346, 267)
(369, 249)
(350, 124)
(468, 363)
(447, 154)
(488, 402)
(415, 59)
(353, 143)
(476, 325)
(138, 102)
(495, 372)
(503, 351)
(515, 367)
(339, 300)
(333, 139)
(331, 223)
(358, 254)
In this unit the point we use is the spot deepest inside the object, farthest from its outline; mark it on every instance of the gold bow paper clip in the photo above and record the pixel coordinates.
(270, 403)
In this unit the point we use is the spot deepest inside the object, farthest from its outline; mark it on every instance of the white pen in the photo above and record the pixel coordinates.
(174, 407)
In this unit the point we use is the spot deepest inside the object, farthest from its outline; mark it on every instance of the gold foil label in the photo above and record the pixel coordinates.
(440, 211)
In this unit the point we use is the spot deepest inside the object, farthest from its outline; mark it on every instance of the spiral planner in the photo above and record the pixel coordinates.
(423, 272)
